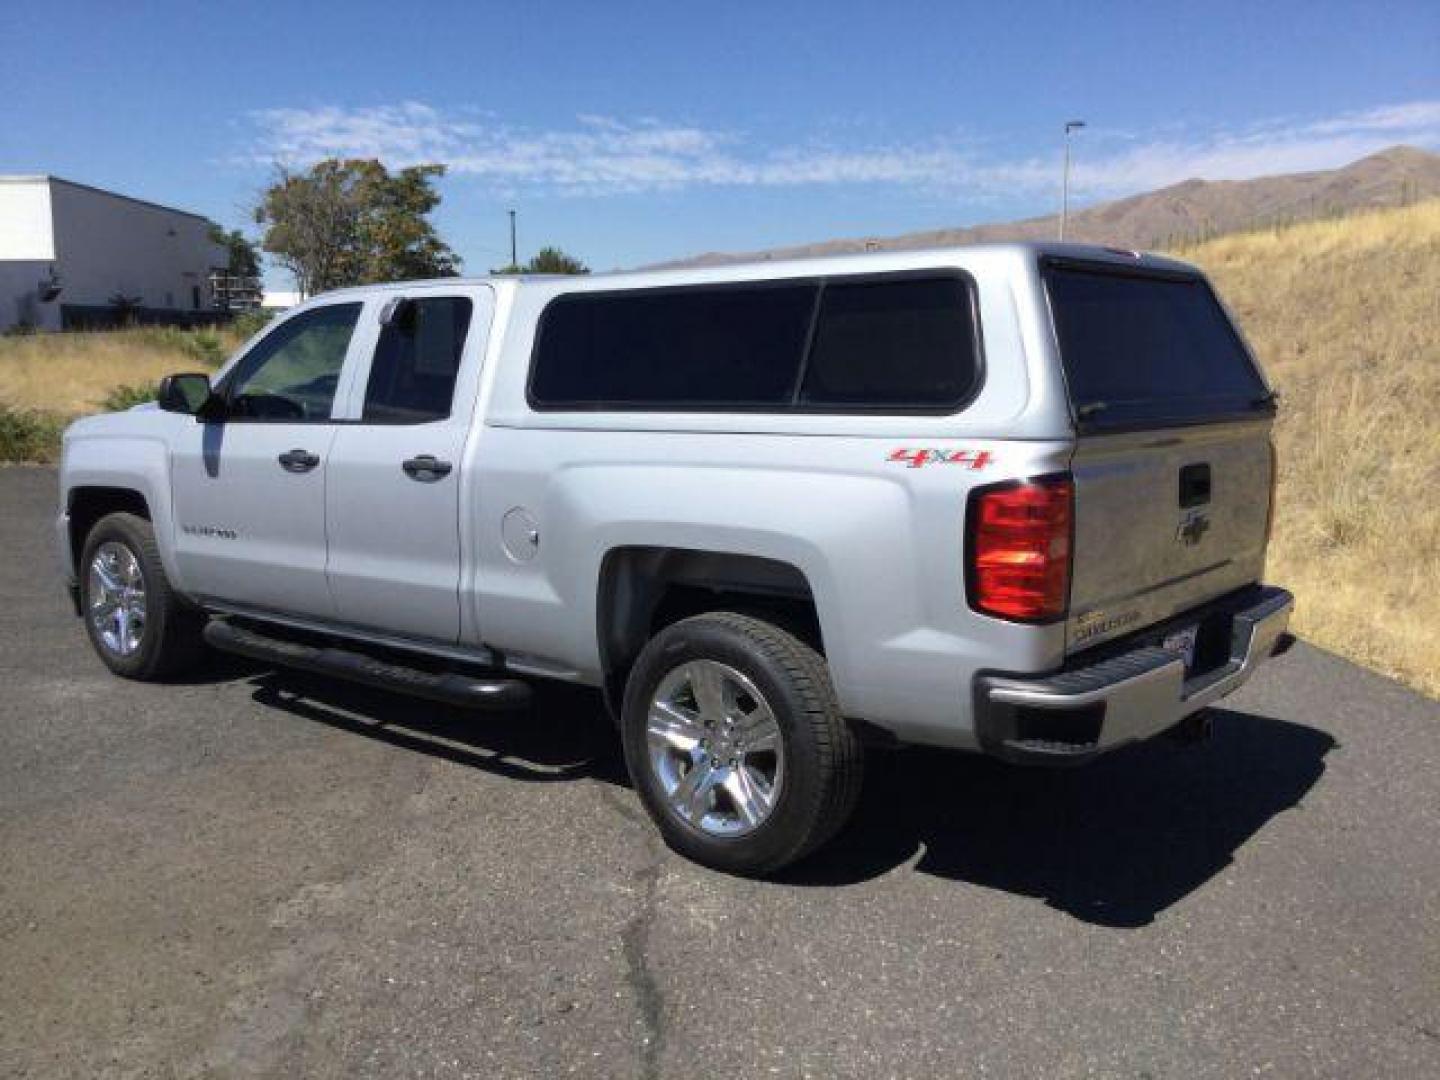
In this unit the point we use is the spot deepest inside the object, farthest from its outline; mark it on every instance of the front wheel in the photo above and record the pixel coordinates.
(139, 627)
(736, 744)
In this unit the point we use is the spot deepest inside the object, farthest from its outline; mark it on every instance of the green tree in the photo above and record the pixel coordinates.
(243, 255)
(549, 260)
(354, 222)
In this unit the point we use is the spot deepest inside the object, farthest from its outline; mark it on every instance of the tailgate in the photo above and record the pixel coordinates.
(1173, 461)
(1165, 521)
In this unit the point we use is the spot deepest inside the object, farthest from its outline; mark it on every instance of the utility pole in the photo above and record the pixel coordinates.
(514, 262)
(1070, 125)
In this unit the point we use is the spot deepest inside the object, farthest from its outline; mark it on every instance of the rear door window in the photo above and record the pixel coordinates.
(1142, 349)
(417, 359)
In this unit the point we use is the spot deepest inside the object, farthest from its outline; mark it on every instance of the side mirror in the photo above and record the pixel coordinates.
(188, 393)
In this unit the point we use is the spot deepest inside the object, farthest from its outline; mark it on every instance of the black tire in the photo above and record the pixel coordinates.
(824, 760)
(169, 642)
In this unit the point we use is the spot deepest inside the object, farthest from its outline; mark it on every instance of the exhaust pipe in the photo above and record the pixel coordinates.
(1283, 644)
(1198, 727)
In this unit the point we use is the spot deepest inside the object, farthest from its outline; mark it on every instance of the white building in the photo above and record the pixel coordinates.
(280, 299)
(68, 252)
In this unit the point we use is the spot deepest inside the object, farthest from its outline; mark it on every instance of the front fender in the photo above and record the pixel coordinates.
(108, 452)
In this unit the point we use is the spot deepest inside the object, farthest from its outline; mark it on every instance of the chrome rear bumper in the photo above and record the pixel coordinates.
(1077, 713)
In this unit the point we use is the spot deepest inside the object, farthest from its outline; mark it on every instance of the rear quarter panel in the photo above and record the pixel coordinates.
(879, 541)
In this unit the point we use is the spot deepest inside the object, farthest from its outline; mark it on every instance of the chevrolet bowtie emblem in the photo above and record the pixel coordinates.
(1192, 529)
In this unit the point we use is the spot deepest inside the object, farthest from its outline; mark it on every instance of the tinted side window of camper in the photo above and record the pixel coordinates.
(846, 344)
(907, 343)
(673, 348)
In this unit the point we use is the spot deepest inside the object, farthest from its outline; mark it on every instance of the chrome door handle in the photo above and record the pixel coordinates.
(298, 460)
(426, 468)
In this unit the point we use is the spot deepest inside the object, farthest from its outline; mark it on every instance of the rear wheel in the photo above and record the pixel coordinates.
(136, 623)
(736, 745)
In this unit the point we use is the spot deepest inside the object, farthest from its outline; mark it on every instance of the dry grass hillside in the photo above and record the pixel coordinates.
(1345, 315)
(73, 373)
(46, 380)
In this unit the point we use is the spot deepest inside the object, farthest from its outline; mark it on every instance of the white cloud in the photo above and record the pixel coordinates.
(1264, 148)
(602, 155)
(1412, 115)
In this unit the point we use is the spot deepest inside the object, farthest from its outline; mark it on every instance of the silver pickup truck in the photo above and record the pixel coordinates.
(1011, 499)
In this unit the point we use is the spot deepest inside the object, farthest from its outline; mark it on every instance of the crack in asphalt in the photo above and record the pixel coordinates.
(635, 943)
(648, 998)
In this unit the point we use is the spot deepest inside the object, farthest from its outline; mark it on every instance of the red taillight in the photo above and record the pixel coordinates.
(1019, 551)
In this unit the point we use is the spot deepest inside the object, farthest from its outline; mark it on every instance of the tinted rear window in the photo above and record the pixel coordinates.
(1148, 350)
(881, 342)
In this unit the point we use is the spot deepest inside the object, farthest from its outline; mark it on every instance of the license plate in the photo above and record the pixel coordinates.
(1182, 642)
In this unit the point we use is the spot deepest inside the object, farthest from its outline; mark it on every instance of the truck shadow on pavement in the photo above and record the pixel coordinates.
(566, 736)
(1113, 843)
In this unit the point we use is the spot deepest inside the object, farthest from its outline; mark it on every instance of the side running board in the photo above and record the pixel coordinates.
(450, 688)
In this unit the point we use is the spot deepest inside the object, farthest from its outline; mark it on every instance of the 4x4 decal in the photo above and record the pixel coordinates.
(915, 458)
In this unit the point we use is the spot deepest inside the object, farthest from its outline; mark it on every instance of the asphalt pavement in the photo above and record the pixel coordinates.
(255, 874)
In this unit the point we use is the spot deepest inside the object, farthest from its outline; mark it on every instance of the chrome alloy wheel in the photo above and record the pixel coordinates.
(117, 598)
(714, 744)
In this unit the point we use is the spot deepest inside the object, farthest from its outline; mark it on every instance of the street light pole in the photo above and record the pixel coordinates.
(1070, 125)
(514, 262)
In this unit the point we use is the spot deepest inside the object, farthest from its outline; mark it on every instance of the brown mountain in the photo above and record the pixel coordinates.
(1191, 210)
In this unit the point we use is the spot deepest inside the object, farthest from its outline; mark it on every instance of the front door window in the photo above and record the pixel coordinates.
(291, 376)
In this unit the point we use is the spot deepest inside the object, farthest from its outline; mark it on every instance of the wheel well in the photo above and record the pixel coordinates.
(89, 504)
(645, 589)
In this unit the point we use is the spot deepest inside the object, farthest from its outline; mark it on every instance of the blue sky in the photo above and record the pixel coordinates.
(629, 133)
